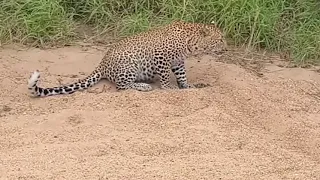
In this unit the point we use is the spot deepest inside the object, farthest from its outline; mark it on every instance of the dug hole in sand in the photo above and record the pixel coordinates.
(256, 120)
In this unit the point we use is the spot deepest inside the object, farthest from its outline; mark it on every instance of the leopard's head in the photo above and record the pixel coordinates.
(208, 40)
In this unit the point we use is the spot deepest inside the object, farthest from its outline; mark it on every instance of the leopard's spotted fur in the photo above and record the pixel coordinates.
(135, 60)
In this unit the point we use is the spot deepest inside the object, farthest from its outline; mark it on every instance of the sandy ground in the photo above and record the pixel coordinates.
(257, 120)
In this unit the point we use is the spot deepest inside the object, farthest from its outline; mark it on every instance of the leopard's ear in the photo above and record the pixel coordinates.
(204, 31)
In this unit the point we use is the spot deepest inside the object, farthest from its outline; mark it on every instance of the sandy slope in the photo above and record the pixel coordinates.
(242, 127)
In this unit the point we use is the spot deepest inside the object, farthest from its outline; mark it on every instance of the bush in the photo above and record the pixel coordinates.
(279, 25)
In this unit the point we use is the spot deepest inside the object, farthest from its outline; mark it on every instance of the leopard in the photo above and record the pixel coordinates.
(135, 61)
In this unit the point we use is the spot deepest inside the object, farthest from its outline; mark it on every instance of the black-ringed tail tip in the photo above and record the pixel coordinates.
(37, 91)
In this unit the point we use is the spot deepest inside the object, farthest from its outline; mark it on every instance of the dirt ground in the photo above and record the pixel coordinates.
(257, 120)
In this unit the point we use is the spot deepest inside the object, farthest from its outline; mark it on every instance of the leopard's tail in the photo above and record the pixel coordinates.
(83, 84)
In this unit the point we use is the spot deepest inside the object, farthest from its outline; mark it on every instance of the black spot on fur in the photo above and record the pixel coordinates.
(40, 90)
(46, 92)
(175, 69)
(68, 89)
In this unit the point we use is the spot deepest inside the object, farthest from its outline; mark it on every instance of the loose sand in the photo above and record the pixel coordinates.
(256, 121)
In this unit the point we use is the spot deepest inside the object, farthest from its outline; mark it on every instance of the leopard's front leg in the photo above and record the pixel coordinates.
(179, 71)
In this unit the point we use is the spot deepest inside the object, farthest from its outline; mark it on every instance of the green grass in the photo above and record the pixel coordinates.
(279, 25)
(34, 21)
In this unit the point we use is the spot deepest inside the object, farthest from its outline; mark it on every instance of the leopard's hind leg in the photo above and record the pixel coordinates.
(127, 80)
